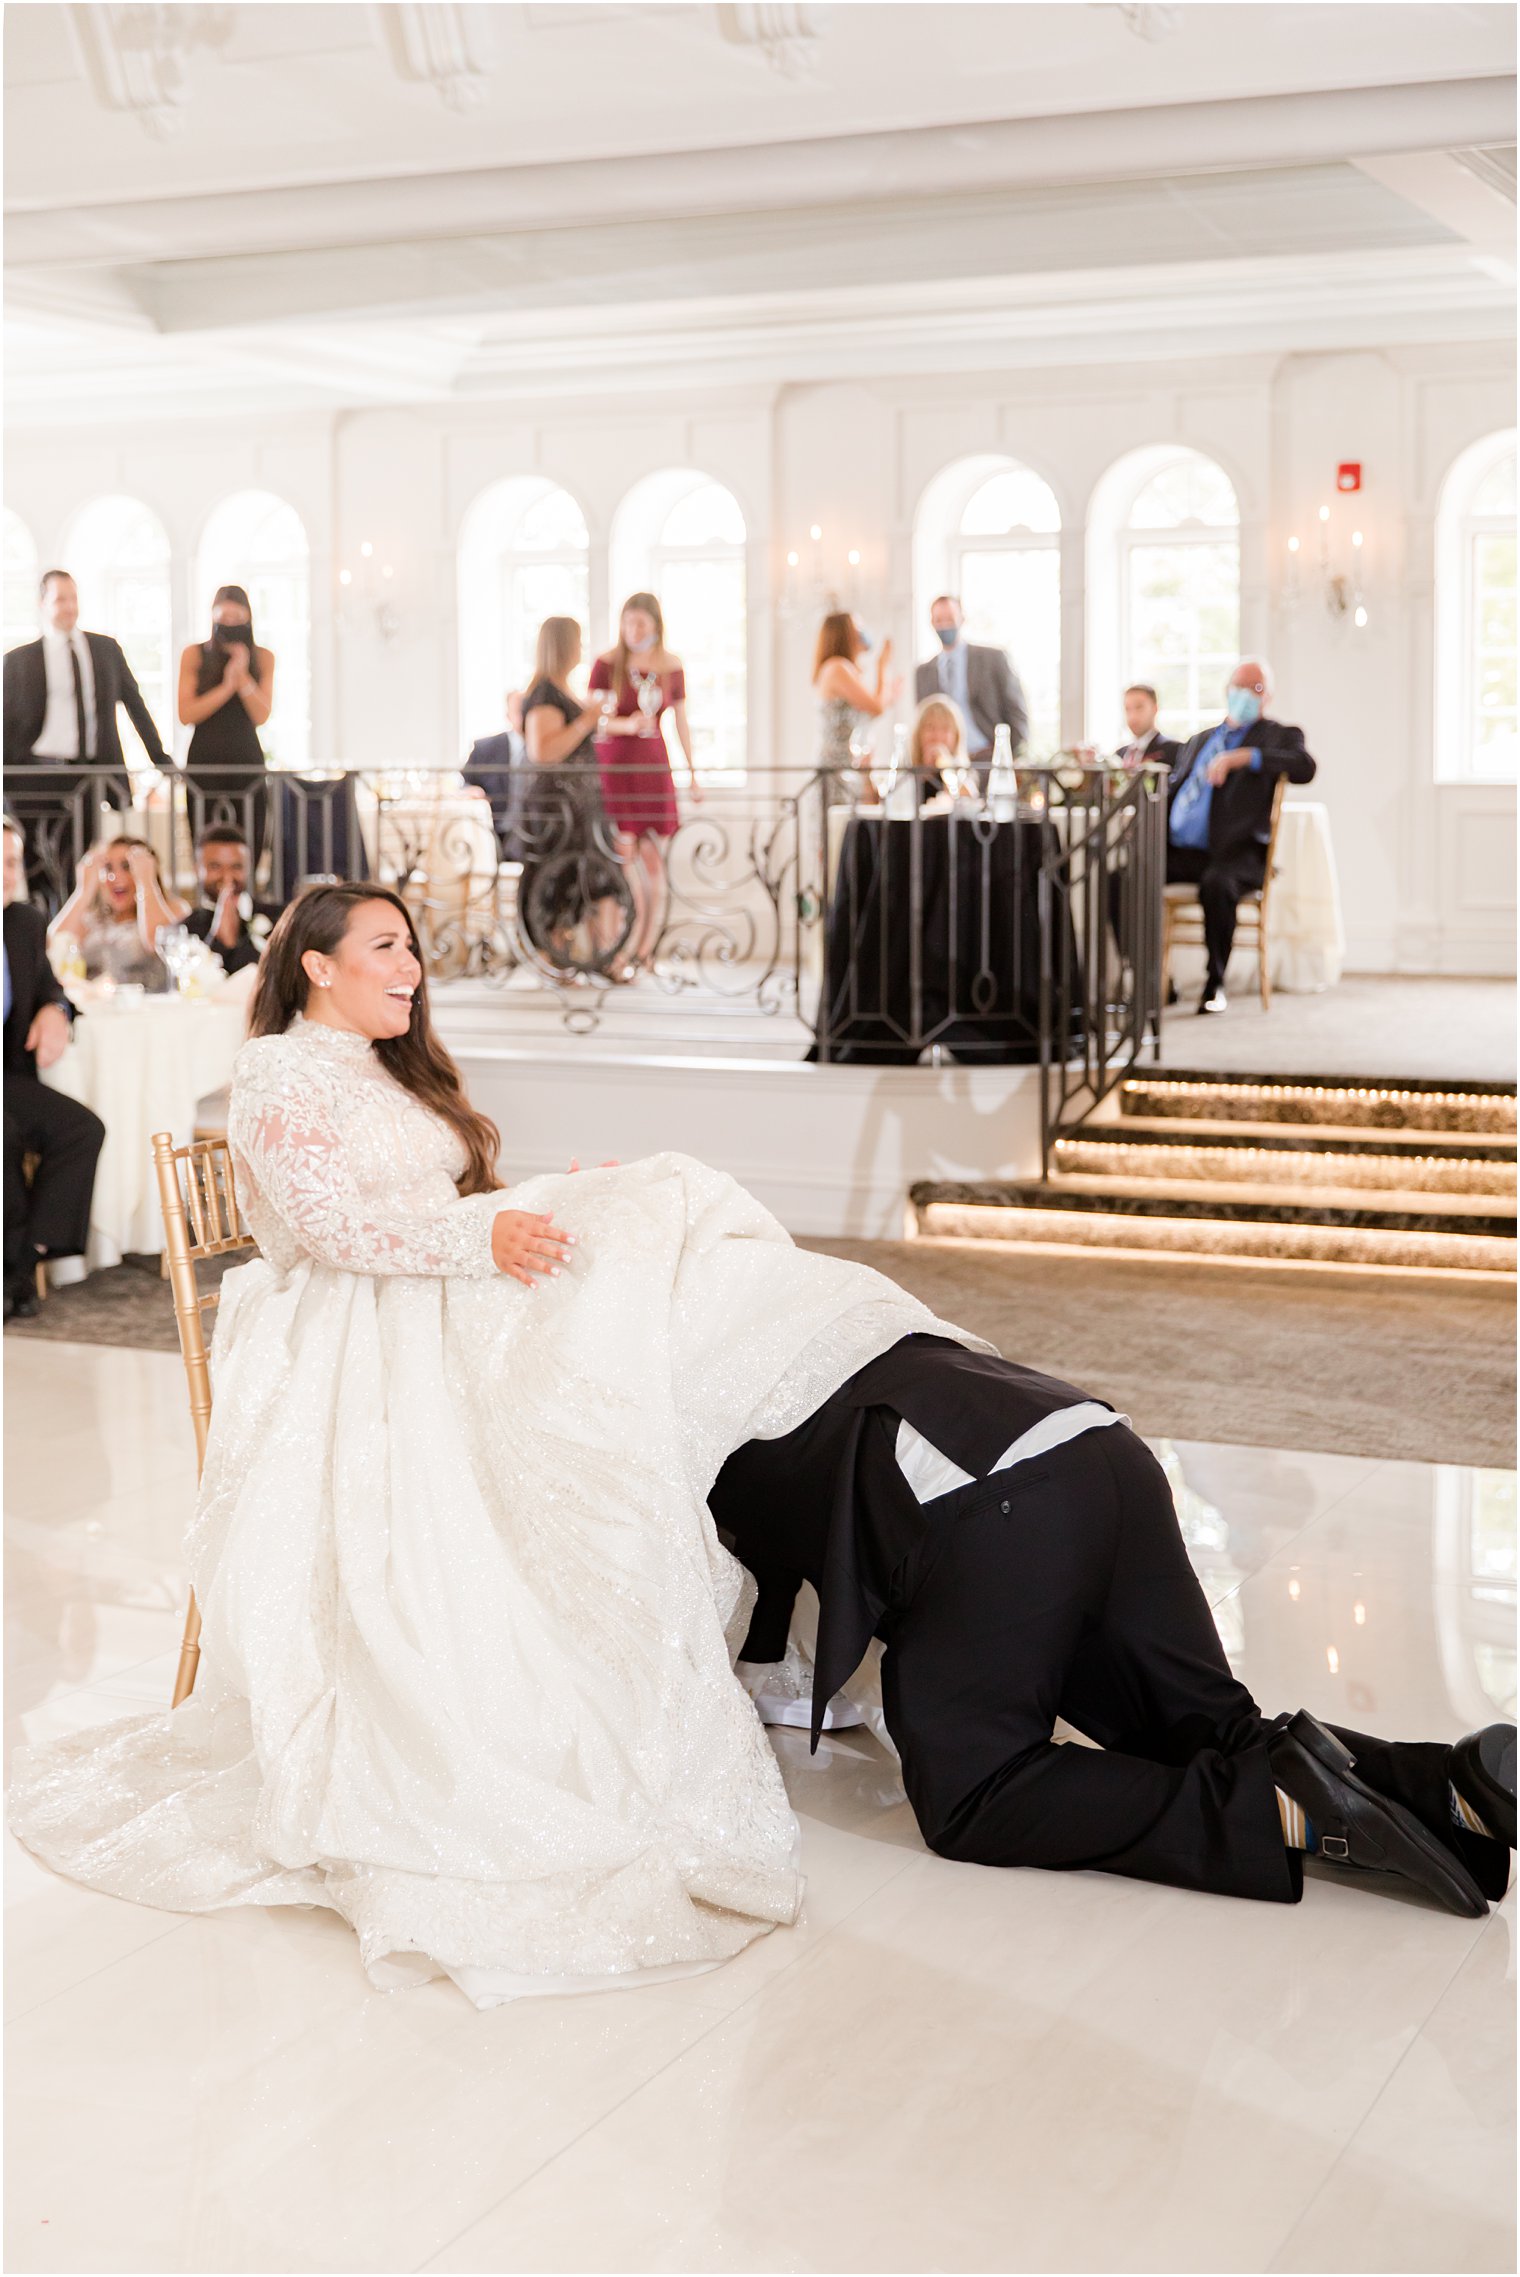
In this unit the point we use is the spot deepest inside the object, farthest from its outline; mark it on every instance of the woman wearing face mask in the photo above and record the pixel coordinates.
(226, 691)
(114, 913)
(640, 680)
(845, 701)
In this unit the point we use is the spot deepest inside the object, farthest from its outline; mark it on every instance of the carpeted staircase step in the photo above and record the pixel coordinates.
(1196, 1095)
(1292, 1158)
(1193, 1218)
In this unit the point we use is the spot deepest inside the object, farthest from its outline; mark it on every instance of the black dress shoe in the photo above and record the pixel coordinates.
(21, 1303)
(1358, 1828)
(1483, 1773)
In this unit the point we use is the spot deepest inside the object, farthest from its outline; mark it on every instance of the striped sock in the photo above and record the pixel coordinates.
(1465, 1816)
(1297, 1832)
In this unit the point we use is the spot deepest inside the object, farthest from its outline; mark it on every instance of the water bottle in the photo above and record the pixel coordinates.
(1002, 797)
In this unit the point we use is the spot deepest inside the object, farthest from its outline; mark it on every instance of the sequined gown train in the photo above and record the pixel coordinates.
(466, 1661)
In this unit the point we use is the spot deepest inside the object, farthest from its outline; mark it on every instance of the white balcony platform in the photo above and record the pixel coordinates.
(830, 1150)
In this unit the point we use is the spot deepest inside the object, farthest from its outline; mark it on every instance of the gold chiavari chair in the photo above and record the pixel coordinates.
(198, 1196)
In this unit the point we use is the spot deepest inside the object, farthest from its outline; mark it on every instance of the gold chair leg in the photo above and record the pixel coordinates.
(189, 1654)
(1263, 968)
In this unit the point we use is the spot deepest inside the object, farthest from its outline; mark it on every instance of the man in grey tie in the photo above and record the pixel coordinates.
(61, 695)
(981, 681)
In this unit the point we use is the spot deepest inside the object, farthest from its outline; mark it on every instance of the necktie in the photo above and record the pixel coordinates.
(79, 719)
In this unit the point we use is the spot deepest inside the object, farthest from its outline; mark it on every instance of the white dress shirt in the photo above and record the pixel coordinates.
(60, 726)
(930, 1473)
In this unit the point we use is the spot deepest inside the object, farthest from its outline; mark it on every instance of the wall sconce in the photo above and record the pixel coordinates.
(367, 596)
(808, 589)
(1339, 585)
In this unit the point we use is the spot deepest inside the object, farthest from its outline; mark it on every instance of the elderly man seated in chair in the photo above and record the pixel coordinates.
(1219, 815)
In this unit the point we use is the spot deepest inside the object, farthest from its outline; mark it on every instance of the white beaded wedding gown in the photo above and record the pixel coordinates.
(466, 1669)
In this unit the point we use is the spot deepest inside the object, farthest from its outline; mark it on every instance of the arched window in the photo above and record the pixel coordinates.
(117, 551)
(681, 536)
(1179, 585)
(1475, 724)
(22, 570)
(258, 541)
(989, 529)
(522, 557)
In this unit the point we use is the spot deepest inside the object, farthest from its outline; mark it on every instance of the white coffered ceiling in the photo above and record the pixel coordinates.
(280, 204)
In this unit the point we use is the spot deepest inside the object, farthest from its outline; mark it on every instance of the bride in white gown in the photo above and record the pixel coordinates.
(466, 1669)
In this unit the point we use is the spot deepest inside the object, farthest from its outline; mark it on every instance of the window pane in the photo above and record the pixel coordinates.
(1182, 620)
(534, 590)
(1194, 490)
(1494, 714)
(704, 605)
(710, 516)
(1496, 493)
(549, 523)
(1016, 499)
(120, 555)
(1012, 599)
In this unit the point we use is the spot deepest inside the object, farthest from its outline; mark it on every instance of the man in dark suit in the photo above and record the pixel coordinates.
(498, 768)
(1219, 810)
(1015, 1547)
(1145, 739)
(981, 681)
(235, 925)
(51, 1216)
(61, 697)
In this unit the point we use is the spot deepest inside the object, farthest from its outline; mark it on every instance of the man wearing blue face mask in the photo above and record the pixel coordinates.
(980, 680)
(1219, 816)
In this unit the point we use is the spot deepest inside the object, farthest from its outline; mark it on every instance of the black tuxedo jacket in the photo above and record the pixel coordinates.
(26, 704)
(1240, 812)
(827, 1503)
(245, 949)
(33, 982)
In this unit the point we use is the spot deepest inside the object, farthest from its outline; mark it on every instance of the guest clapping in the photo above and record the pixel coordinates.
(115, 913)
(640, 680)
(980, 680)
(845, 702)
(226, 693)
(48, 1216)
(229, 919)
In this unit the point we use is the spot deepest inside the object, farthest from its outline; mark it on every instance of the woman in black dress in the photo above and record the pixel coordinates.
(226, 691)
(574, 907)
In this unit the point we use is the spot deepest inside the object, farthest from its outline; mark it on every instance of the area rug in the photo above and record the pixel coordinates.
(1334, 1363)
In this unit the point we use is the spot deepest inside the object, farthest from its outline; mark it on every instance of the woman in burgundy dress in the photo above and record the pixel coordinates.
(640, 680)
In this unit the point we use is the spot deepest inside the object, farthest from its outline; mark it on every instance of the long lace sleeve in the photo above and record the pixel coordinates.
(282, 1126)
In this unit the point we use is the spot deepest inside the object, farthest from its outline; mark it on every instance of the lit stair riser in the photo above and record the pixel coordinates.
(1098, 1156)
(1487, 1113)
(1216, 1237)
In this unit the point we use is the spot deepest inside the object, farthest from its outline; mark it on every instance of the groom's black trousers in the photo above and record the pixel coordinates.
(1059, 1587)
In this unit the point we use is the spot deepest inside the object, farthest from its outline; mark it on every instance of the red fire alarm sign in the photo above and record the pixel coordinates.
(1348, 476)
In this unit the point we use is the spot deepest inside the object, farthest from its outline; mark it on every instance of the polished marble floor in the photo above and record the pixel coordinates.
(943, 2068)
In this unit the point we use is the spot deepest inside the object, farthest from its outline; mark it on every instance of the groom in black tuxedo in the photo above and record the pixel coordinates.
(1015, 1546)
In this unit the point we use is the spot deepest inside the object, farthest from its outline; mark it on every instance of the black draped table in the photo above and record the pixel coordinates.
(934, 937)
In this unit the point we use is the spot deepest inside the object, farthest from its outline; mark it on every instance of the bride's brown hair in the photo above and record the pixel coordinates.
(318, 919)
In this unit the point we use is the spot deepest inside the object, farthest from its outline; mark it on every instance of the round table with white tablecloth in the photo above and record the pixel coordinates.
(142, 1064)
(1308, 941)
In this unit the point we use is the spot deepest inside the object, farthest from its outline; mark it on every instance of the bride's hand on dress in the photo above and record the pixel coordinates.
(611, 1163)
(523, 1242)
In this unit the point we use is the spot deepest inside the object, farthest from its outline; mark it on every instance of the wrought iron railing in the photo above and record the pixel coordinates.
(1020, 929)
